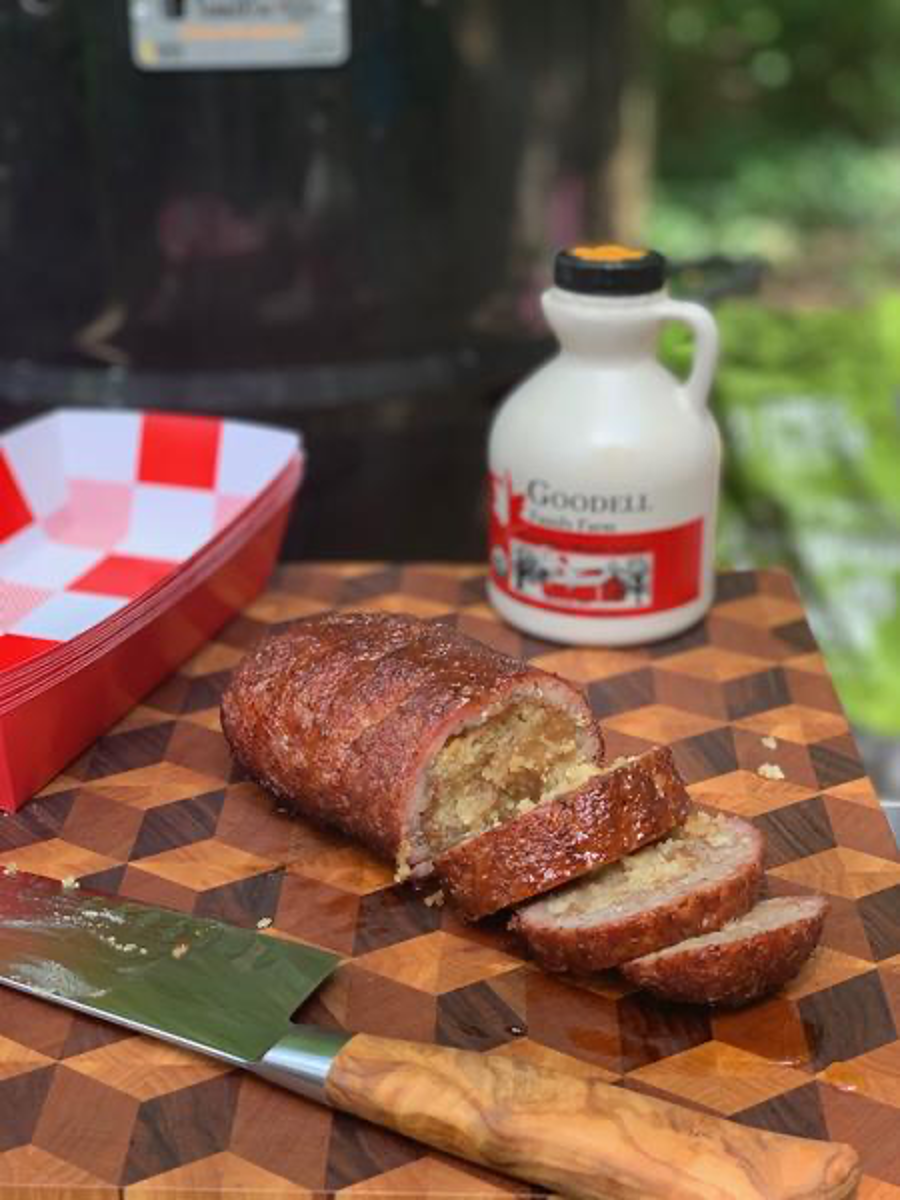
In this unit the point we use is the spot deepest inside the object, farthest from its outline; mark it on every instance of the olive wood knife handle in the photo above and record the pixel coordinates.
(576, 1135)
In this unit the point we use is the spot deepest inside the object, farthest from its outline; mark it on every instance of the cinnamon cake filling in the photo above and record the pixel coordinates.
(519, 757)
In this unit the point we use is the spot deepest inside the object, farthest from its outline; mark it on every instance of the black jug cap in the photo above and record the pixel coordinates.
(609, 270)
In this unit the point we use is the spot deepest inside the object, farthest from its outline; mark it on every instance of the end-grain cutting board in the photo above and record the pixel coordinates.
(156, 811)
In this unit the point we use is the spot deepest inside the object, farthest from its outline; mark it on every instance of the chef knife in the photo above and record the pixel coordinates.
(230, 993)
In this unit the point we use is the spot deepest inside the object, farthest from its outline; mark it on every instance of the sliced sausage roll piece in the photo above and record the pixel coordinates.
(700, 877)
(748, 958)
(627, 804)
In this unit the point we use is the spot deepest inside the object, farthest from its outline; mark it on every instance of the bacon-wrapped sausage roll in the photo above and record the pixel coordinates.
(404, 733)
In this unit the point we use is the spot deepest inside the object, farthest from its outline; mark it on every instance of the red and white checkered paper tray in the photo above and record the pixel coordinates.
(62, 660)
(126, 540)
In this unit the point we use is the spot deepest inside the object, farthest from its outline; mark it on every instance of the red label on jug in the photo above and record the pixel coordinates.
(564, 567)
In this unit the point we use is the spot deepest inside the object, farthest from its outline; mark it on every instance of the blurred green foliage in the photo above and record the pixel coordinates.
(776, 200)
(807, 403)
(778, 135)
(776, 119)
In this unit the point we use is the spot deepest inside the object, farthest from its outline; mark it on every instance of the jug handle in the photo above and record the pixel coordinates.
(706, 346)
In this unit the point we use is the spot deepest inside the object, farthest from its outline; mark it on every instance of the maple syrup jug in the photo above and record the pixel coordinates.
(604, 466)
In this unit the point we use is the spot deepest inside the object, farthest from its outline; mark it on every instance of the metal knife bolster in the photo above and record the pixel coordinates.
(301, 1060)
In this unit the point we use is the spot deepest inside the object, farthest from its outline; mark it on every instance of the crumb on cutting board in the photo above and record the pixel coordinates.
(404, 870)
(770, 771)
(263, 922)
(180, 950)
(769, 742)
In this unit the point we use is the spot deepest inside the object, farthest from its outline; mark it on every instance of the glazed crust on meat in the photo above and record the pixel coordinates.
(734, 972)
(558, 840)
(340, 715)
(608, 942)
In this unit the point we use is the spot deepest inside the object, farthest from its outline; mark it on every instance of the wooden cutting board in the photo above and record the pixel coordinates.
(156, 811)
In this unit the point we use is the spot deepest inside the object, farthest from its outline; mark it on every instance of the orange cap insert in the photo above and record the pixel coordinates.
(607, 252)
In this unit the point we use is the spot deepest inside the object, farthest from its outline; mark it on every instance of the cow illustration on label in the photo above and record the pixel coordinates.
(544, 573)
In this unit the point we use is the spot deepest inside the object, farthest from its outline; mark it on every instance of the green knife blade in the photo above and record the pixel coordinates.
(199, 983)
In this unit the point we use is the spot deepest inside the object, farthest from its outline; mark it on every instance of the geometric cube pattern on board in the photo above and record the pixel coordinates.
(157, 811)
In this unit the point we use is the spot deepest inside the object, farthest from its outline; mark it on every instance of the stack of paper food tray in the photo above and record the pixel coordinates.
(126, 540)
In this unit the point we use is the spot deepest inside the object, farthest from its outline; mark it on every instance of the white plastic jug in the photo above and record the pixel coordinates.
(604, 466)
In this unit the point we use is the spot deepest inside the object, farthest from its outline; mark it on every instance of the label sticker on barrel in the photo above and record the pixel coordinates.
(216, 35)
(585, 573)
